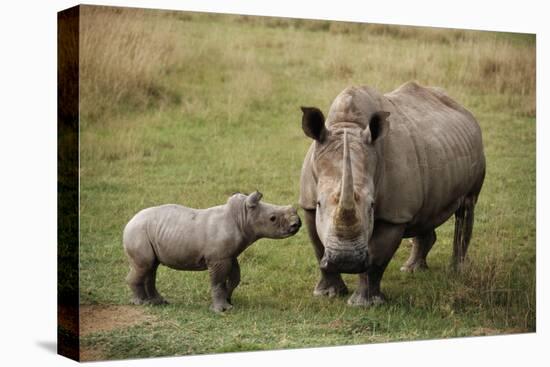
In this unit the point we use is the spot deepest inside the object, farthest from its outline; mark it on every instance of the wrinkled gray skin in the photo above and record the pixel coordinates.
(200, 239)
(382, 168)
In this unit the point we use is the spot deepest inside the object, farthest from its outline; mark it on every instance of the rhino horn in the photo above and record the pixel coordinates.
(346, 204)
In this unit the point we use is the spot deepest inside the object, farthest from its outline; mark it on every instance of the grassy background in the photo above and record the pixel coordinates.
(188, 108)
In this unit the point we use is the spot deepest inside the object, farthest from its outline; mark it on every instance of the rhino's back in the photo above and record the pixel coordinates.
(433, 156)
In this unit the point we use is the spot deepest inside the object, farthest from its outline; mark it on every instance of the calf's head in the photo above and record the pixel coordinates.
(345, 167)
(260, 219)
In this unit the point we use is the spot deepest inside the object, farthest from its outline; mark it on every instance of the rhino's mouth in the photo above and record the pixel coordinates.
(345, 260)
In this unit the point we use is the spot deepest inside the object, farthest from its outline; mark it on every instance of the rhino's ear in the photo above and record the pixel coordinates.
(379, 125)
(313, 123)
(253, 199)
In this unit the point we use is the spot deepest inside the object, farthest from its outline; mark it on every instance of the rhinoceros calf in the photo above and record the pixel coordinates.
(199, 239)
(383, 167)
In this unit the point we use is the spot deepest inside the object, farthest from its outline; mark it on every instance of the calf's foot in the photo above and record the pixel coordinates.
(330, 285)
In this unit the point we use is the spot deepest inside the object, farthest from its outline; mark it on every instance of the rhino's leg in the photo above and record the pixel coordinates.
(464, 222)
(219, 272)
(233, 279)
(421, 245)
(330, 284)
(153, 295)
(385, 240)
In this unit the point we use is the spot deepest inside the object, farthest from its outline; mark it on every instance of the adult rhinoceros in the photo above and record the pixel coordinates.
(382, 168)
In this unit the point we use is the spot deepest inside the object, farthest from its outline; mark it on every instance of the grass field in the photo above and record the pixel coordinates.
(188, 108)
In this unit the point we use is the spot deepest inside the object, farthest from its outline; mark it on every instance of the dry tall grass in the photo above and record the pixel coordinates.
(125, 55)
(132, 59)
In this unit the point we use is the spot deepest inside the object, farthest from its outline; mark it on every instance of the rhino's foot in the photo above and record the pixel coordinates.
(361, 300)
(418, 265)
(220, 307)
(331, 287)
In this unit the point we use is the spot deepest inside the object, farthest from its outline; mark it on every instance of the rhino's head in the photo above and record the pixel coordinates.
(345, 167)
(260, 219)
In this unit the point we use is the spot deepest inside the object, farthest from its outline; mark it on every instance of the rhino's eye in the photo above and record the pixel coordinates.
(318, 204)
(272, 218)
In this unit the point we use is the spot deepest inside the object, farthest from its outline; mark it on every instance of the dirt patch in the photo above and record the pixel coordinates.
(96, 318)
(101, 318)
(91, 354)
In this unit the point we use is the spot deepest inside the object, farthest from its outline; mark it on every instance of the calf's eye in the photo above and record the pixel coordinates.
(272, 218)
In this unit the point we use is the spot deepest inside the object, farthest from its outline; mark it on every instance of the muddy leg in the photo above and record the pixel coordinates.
(219, 272)
(150, 288)
(330, 284)
(464, 222)
(384, 242)
(234, 279)
(421, 245)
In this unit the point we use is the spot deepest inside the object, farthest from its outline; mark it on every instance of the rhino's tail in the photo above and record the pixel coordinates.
(464, 223)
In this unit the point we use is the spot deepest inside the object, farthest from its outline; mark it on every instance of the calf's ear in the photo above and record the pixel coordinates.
(253, 199)
(379, 126)
(313, 123)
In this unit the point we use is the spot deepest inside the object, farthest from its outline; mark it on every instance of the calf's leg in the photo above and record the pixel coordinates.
(330, 284)
(153, 295)
(233, 279)
(136, 281)
(143, 264)
(219, 272)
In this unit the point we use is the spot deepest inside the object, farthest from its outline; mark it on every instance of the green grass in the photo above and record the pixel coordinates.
(220, 113)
